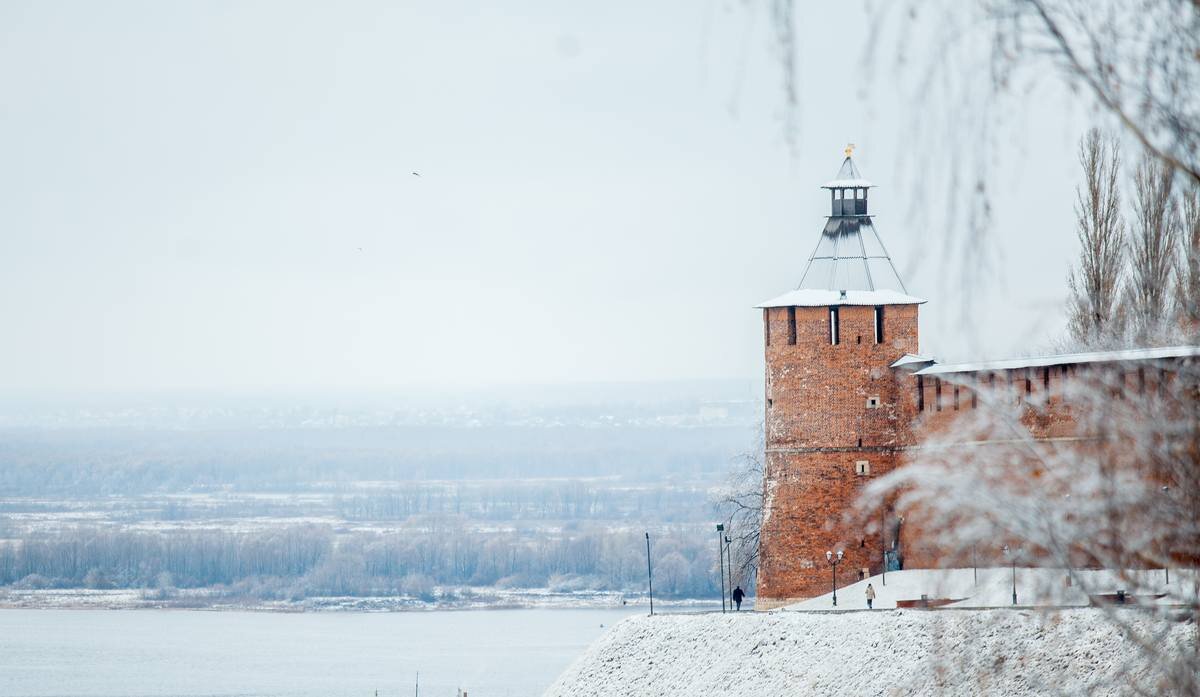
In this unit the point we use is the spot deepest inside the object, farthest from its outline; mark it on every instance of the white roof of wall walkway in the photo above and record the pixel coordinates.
(1142, 354)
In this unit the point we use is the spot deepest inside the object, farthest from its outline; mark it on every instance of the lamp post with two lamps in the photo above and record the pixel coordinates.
(721, 562)
(833, 570)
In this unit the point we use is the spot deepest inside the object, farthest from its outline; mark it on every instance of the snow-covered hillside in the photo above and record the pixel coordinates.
(884, 652)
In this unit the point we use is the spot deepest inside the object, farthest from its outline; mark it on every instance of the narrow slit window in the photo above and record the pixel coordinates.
(956, 398)
(791, 325)
(834, 328)
(920, 393)
(937, 393)
(1046, 379)
(879, 325)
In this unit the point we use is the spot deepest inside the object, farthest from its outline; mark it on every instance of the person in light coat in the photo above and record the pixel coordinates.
(870, 596)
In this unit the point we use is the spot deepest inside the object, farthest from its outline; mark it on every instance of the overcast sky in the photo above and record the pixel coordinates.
(222, 196)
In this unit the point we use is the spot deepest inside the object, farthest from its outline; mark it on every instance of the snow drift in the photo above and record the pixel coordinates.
(882, 652)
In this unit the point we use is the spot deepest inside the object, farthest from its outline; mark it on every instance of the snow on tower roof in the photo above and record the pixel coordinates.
(912, 359)
(815, 297)
(847, 177)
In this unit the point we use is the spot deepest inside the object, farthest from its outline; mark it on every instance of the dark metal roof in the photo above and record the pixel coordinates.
(851, 256)
(847, 177)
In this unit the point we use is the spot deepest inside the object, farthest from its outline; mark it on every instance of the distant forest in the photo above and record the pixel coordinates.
(418, 511)
(300, 561)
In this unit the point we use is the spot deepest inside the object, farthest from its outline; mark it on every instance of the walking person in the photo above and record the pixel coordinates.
(738, 594)
(870, 595)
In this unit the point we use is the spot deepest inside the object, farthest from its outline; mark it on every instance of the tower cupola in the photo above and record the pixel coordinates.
(848, 190)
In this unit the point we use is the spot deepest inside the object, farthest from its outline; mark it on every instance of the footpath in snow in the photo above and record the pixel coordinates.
(883, 652)
(993, 587)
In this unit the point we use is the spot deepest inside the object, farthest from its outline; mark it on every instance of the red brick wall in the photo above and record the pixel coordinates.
(816, 415)
(819, 425)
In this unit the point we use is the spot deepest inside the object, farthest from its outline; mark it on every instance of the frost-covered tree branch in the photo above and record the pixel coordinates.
(1121, 493)
(740, 504)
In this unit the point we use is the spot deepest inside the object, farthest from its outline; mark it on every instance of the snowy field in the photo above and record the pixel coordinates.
(888, 652)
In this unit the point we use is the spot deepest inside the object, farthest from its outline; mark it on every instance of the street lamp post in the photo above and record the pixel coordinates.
(1013, 558)
(1167, 560)
(974, 565)
(833, 571)
(883, 541)
(721, 562)
(729, 565)
(649, 574)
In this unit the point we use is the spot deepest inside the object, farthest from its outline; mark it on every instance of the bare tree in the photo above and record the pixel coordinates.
(1140, 60)
(1153, 246)
(1095, 283)
(740, 503)
(1187, 273)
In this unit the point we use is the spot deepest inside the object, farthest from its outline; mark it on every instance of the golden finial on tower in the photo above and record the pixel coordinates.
(849, 149)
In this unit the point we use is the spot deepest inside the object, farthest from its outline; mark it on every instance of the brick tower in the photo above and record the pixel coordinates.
(836, 413)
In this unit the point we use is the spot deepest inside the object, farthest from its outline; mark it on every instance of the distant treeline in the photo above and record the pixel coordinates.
(492, 501)
(101, 462)
(311, 560)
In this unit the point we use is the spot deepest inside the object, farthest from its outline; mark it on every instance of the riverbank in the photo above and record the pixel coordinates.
(451, 599)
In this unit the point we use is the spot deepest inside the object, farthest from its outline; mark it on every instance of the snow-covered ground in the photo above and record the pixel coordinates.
(889, 652)
(994, 587)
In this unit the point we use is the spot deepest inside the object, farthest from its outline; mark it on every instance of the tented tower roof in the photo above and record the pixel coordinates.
(850, 264)
(850, 255)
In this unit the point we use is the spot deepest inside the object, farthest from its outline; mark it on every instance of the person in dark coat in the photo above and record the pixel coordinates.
(738, 594)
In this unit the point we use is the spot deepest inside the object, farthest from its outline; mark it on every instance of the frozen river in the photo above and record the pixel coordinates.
(178, 653)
